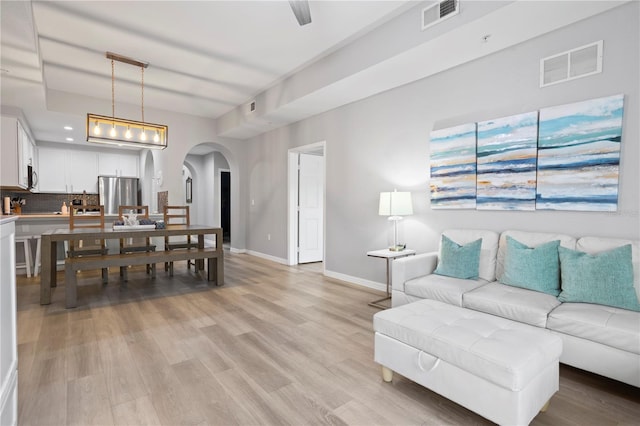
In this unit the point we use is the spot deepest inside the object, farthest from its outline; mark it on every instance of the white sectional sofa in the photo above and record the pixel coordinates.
(595, 337)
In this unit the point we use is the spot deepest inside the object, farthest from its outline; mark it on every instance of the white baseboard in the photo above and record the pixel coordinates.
(331, 274)
(236, 250)
(268, 257)
(355, 280)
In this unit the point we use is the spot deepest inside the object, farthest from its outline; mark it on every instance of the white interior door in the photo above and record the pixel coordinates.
(310, 208)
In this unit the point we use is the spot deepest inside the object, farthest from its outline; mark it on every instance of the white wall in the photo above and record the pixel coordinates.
(382, 143)
(194, 167)
(211, 181)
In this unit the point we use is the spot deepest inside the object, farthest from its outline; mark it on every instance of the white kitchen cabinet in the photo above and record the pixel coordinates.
(72, 170)
(52, 166)
(108, 164)
(28, 159)
(17, 153)
(116, 164)
(82, 175)
(67, 170)
(129, 165)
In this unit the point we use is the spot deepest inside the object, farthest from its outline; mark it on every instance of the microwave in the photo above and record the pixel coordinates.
(32, 178)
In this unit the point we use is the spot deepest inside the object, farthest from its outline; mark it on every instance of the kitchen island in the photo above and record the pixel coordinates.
(8, 339)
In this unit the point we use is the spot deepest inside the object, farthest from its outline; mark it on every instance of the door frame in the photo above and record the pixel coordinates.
(292, 209)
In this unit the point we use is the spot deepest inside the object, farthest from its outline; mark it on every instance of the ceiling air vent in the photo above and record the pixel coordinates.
(438, 12)
(251, 107)
(575, 63)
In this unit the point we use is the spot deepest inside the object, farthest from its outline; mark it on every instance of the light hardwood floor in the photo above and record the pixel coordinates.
(276, 345)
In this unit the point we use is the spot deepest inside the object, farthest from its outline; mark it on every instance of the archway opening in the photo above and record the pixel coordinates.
(215, 189)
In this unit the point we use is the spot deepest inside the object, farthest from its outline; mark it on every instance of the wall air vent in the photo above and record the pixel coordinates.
(438, 12)
(575, 63)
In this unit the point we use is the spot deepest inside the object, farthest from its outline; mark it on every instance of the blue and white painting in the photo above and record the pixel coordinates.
(453, 167)
(579, 155)
(507, 152)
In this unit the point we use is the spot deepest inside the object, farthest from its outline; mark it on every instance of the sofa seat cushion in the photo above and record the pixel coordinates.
(518, 304)
(442, 288)
(504, 352)
(615, 327)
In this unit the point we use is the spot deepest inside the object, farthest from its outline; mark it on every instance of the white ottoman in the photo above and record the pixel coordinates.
(501, 369)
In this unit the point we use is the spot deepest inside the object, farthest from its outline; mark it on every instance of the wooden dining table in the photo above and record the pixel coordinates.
(50, 239)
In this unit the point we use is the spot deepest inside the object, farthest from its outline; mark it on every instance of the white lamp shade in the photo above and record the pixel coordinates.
(395, 204)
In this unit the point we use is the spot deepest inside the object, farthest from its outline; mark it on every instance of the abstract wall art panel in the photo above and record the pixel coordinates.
(507, 152)
(453, 167)
(579, 155)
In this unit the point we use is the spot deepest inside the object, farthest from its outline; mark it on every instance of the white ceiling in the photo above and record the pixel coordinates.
(205, 57)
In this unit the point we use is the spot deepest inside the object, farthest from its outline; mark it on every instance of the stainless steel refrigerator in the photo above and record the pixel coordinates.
(118, 191)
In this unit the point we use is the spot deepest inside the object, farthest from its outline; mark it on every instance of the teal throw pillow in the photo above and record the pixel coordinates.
(604, 278)
(536, 268)
(459, 261)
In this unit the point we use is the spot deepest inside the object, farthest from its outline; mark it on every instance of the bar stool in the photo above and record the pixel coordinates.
(36, 261)
(25, 240)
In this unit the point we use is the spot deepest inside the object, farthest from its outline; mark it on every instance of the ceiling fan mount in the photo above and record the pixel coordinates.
(301, 11)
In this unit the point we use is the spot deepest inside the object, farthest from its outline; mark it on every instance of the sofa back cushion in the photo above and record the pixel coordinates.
(594, 245)
(488, 248)
(530, 239)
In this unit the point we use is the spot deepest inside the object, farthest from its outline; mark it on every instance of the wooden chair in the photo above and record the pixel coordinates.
(177, 215)
(88, 216)
(136, 245)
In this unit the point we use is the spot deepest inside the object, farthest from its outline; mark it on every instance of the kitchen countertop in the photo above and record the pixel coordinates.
(42, 216)
(28, 216)
(7, 218)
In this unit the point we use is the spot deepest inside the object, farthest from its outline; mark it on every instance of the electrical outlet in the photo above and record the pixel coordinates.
(269, 237)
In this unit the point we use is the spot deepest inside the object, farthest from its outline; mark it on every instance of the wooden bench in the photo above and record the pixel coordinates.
(214, 258)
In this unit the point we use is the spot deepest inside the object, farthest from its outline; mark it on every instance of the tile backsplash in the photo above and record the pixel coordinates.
(45, 203)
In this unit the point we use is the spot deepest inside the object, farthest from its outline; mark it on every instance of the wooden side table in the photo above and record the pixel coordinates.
(389, 255)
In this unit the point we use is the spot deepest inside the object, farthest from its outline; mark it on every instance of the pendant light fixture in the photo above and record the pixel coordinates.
(121, 131)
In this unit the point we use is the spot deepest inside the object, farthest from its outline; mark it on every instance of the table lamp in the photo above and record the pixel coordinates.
(395, 205)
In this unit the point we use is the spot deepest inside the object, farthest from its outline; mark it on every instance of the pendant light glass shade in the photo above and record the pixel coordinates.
(129, 129)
